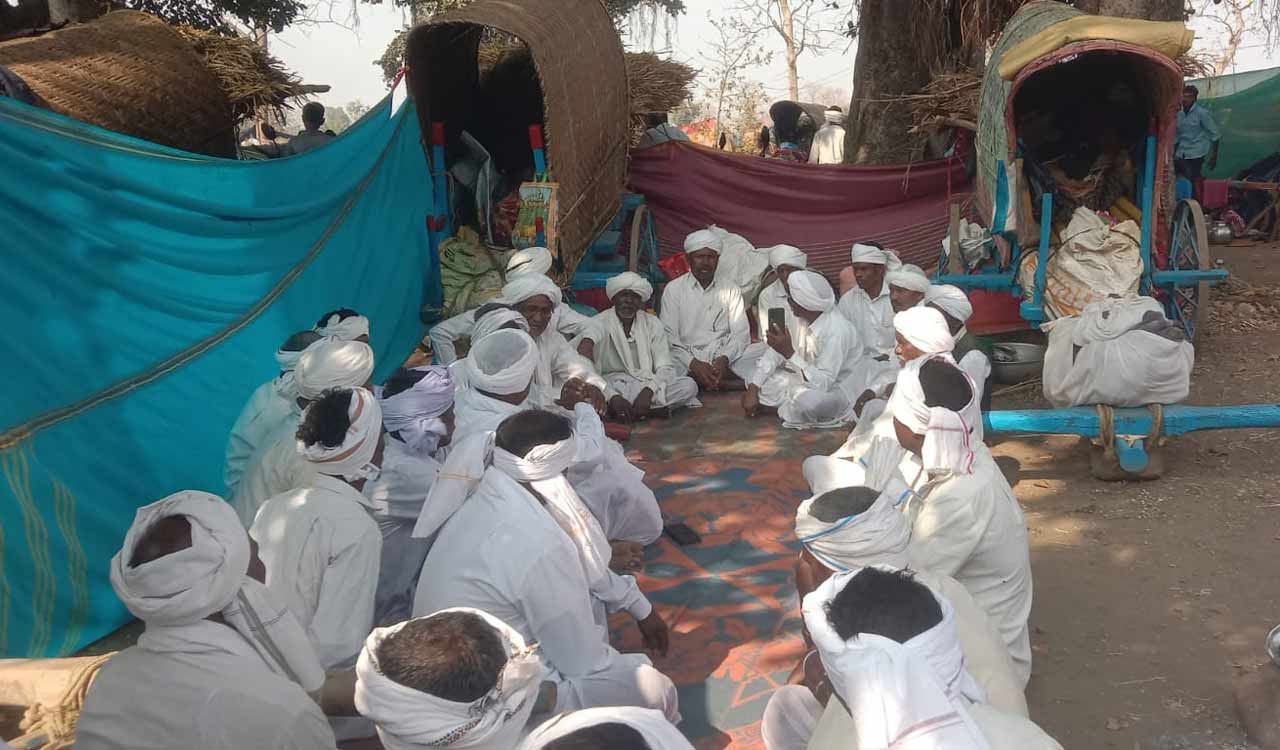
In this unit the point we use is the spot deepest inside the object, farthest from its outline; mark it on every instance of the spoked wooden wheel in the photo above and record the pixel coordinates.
(1189, 250)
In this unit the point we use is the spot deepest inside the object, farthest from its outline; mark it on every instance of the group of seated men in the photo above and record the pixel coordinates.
(435, 559)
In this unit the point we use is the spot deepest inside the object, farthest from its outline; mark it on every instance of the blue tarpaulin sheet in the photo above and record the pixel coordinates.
(144, 292)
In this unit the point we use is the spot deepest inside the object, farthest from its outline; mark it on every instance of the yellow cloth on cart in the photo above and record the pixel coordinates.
(1170, 38)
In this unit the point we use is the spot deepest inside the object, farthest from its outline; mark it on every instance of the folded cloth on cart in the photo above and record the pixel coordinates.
(1120, 351)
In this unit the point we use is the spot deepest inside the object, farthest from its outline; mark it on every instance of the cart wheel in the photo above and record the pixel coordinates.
(1189, 250)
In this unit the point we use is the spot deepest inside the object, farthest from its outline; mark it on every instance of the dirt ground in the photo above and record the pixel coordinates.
(1151, 598)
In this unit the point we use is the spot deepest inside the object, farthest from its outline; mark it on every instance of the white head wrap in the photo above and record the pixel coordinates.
(288, 362)
(907, 696)
(925, 329)
(948, 439)
(703, 239)
(835, 116)
(415, 413)
(525, 287)
(951, 300)
(502, 362)
(495, 320)
(869, 254)
(331, 363)
(877, 535)
(348, 329)
(658, 733)
(812, 292)
(353, 460)
(628, 281)
(787, 255)
(210, 576)
(531, 261)
(409, 719)
(909, 276)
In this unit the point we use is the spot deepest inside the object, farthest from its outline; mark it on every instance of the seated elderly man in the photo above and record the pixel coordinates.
(514, 540)
(784, 260)
(457, 678)
(622, 728)
(629, 348)
(908, 287)
(221, 665)
(955, 307)
(804, 379)
(706, 319)
(563, 377)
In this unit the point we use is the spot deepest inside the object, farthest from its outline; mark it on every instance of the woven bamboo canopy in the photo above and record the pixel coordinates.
(579, 84)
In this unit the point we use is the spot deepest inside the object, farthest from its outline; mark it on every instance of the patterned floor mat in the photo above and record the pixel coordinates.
(731, 600)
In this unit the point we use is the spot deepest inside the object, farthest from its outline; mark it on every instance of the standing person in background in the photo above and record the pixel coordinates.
(311, 136)
(763, 141)
(1197, 138)
(828, 143)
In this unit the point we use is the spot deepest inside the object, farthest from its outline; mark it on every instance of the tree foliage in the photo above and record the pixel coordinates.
(213, 15)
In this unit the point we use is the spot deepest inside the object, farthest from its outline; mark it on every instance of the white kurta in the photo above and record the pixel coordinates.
(814, 387)
(444, 335)
(270, 407)
(706, 324)
(503, 553)
(642, 359)
(275, 468)
(774, 295)
(1004, 731)
(197, 686)
(322, 550)
(979, 368)
(970, 527)
(397, 499)
(559, 362)
(873, 317)
(828, 145)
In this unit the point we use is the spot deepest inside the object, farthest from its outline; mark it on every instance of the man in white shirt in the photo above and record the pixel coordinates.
(276, 466)
(457, 678)
(563, 377)
(629, 348)
(955, 307)
(418, 415)
(511, 541)
(706, 319)
(784, 260)
(908, 287)
(221, 665)
(828, 142)
(321, 544)
(868, 304)
(804, 379)
(272, 404)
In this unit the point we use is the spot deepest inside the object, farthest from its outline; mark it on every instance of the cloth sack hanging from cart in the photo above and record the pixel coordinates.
(1118, 352)
(741, 264)
(1096, 260)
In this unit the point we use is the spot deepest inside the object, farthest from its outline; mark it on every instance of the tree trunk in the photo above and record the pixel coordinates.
(1154, 10)
(886, 66)
(788, 31)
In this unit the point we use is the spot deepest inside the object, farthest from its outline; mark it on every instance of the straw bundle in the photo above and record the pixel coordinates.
(949, 99)
(656, 85)
(1195, 64)
(251, 78)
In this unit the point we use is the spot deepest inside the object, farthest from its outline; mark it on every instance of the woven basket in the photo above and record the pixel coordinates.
(131, 73)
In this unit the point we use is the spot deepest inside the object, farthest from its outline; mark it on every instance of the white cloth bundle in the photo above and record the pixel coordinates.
(787, 255)
(909, 277)
(495, 320)
(333, 363)
(353, 459)
(811, 291)
(703, 239)
(211, 576)
(925, 329)
(628, 281)
(951, 300)
(522, 288)
(415, 413)
(531, 261)
(344, 329)
(948, 439)
(502, 362)
(906, 696)
(879, 534)
(658, 733)
(409, 719)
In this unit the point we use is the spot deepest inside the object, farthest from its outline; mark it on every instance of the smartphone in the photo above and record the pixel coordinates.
(681, 534)
(777, 318)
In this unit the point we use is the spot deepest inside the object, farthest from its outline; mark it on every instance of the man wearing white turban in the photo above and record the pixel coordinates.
(629, 348)
(459, 678)
(619, 728)
(276, 466)
(955, 307)
(513, 539)
(965, 519)
(272, 404)
(418, 415)
(450, 338)
(868, 304)
(706, 319)
(828, 142)
(784, 260)
(805, 378)
(344, 324)
(321, 544)
(221, 665)
(908, 287)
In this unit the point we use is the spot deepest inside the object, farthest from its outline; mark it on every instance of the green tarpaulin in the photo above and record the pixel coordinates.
(1246, 107)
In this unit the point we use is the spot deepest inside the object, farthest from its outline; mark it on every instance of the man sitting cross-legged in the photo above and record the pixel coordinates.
(706, 319)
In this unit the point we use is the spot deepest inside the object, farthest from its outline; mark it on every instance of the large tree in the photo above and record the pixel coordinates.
(801, 25)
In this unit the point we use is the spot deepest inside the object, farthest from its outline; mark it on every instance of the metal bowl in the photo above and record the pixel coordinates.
(1013, 363)
(1273, 644)
(1220, 233)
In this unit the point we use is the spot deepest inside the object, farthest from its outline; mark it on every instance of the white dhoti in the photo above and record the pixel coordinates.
(842, 468)
(680, 392)
(790, 718)
(800, 406)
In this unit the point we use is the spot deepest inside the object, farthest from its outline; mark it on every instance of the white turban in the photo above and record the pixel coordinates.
(333, 364)
(909, 276)
(348, 329)
(951, 300)
(703, 239)
(811, 291)
(869, 254)
(925, 329)
(531, 261)
(353, 459)
(525, 287)
(912, 695)
(502, 362)
(628, 281)
(835, 116)
(415, 413)
(210, 576)
(288, 362)
(409, 719)
(787, 255)
(948, 439)
(658, 733)
(495, 320)
(877, 535)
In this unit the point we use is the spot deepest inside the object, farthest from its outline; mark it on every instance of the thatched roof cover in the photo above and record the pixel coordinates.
(578, 57)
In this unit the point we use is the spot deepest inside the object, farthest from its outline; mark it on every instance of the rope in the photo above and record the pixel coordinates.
(57, 722)
(1107, 429)
(1157, 437)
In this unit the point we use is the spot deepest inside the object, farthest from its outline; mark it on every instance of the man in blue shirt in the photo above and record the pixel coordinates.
(1197, 138)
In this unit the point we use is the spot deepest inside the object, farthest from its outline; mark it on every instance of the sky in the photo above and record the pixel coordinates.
(334, 50)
